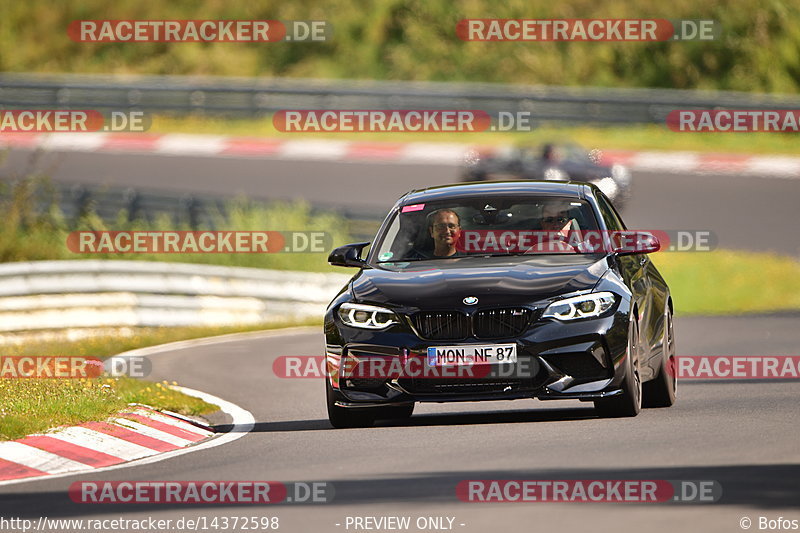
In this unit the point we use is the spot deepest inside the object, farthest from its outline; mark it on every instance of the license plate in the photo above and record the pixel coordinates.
(472, 354)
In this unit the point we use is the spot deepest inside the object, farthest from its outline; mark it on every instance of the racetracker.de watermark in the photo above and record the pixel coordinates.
(381, 120)
(579, 30)
(208, 242)
(408, 366)
(583, 241)
(736, 367)
(734, 120)
(588, 490)
(49, 367)
(201, 492)
(72, 121)
(199, 31)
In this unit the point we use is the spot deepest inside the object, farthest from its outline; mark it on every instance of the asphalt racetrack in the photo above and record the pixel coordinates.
(743, 435)
(744, 212)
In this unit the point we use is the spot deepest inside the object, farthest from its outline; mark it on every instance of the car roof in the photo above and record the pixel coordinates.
(473, 190)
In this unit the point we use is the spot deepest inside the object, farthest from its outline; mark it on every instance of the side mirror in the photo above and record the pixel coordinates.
(348, 255)
(634, 242)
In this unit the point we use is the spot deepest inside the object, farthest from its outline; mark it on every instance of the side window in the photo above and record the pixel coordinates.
(609, 213)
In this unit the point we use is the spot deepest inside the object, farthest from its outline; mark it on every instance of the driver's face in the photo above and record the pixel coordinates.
(445, 228)
(554, 218)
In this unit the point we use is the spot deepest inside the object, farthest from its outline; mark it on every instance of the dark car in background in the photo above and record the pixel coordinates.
(551, 161)
(575, 323)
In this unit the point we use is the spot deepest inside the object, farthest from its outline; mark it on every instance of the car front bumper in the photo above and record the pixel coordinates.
(555, 360)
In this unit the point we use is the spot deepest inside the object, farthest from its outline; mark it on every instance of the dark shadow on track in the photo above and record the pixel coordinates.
(754, 486)
(449, 419)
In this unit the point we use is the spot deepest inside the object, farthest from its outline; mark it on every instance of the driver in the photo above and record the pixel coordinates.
(444, 227)
(549, 154)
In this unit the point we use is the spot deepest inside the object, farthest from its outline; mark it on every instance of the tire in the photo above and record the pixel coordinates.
(395, 412)
(663, 390)
(346, 417)
(629, 403)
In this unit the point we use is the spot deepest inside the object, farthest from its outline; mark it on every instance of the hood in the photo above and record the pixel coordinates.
(444, 283)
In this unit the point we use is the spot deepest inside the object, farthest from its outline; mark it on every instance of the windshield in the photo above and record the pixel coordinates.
(491, 225)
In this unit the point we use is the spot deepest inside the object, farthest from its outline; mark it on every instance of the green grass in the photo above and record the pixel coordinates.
(31, 232)
(34, 405)
(636, 137)
(725, 282)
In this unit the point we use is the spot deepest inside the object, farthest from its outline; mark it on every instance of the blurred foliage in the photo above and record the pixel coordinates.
(759, 49)
(33, 228)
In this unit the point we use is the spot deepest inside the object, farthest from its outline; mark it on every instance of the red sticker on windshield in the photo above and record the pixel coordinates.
(411, 208)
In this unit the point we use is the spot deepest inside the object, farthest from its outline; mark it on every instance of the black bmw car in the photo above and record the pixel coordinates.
(460, 299)
(552, 161)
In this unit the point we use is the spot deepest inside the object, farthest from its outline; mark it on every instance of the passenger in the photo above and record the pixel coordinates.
(555, 217)
(556, 225)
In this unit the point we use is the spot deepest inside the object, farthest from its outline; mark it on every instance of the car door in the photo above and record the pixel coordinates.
(634, 269)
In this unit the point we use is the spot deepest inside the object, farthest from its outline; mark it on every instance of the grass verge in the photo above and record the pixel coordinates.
(635, 137)
(34, 228)
(34, 405)
(727, 282)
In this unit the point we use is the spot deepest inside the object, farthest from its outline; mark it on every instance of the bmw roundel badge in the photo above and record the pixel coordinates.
(470, 300)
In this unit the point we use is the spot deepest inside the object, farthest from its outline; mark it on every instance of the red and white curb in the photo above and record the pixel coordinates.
(221, 146)
(53, 464)
(135, 433)
(242, 423)
(707, 163)
(389, 152)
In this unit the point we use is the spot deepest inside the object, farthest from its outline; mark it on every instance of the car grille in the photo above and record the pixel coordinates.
(487, 324)
(442, 325)
(456, 386)
(508, 322)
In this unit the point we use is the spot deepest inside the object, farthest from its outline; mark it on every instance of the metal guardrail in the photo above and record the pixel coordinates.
(43, 295)
(260, 96)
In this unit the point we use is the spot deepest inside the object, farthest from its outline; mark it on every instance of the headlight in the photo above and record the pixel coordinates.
(366, 316)
(585, 306)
